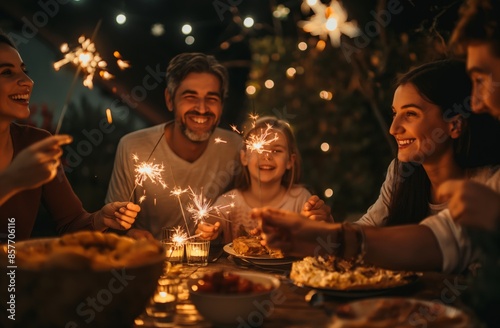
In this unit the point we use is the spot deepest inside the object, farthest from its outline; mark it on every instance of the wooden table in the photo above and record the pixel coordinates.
(295, 311)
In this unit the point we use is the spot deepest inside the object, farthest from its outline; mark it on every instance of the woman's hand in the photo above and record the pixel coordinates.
(208, 231)
(294, 234)
(33, 166)
(117, 215)
(316, 209)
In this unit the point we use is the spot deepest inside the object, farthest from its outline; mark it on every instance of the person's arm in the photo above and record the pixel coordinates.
(408, 247)
(32, 167)
(472, 204)
(379, 211)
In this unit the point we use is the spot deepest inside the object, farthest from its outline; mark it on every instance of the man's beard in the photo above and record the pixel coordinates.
(194, 136)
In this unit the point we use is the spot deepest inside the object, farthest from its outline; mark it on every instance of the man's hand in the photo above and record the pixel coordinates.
(208, 231)
(117, 215)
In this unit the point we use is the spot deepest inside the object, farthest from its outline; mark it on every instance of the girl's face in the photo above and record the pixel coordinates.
(419, 127)
(15, 85)
(272, 163)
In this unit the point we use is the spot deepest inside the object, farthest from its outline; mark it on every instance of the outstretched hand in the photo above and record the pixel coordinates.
(117, 215)
(471, 203)
(294, 234)
(316, 209)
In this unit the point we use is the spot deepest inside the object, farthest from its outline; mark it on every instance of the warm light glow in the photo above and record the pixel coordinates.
(328, 193)
(269, 84)
(321, 45)
(121, 19)
(311, 2)
(157, 29)
(291, 72)
(189, 40)
(326, 95)
(331, 24)
(251, 90)
(186, 29)
(109, 116)
(248, 22)
(302, 46)
(325, 147)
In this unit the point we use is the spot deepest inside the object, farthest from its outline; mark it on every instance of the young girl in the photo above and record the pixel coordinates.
(269, 177)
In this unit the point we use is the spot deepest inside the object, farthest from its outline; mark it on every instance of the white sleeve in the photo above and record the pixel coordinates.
(453, 241)
(122, 179)
(379, 211)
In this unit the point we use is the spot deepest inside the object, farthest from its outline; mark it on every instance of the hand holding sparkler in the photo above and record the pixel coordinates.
(208, 231)
(116, 215)
(315, 209)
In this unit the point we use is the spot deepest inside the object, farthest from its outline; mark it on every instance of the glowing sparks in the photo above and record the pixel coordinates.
(219, 140)
(86, 57)
(148, 170)
(235, 129)
(258, 141)
(329, 21)
(143, 197)
(180, 236)
(176, 191)
(201, 208)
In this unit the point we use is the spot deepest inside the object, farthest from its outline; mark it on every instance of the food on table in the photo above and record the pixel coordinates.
(223, 282)
(87, 250)
(398, 312)
(251, 246)
(340, 274)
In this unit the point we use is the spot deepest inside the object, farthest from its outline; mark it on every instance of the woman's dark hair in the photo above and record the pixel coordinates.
(5, 39)
(445, 84)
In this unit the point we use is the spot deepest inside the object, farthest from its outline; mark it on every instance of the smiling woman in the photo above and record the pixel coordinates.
(30, 163)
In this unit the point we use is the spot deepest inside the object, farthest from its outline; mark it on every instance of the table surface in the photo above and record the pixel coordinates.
(295, 311)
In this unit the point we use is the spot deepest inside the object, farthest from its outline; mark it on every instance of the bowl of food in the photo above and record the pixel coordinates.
(234, 298)
(84, 279)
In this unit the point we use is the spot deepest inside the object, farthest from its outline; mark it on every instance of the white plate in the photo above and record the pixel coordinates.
(260, 260)
(398, 312)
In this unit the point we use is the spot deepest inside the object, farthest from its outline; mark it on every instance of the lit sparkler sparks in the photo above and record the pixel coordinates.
(88, 61)
(219, 140)
(177, 192)
(257, 141)
(201, 208)
(235, 128)
(147, 170)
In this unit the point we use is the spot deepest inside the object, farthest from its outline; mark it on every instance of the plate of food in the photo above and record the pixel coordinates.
(250, 249)
(339, 277)
(398, 312)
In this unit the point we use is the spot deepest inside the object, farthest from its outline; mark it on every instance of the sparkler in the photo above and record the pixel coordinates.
(257, 142)
(201, 208)
(220, 140)
(177, 192)
(144, 171)
(88, 61)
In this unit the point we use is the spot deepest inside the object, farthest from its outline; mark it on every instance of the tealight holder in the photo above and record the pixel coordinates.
(197, 252)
